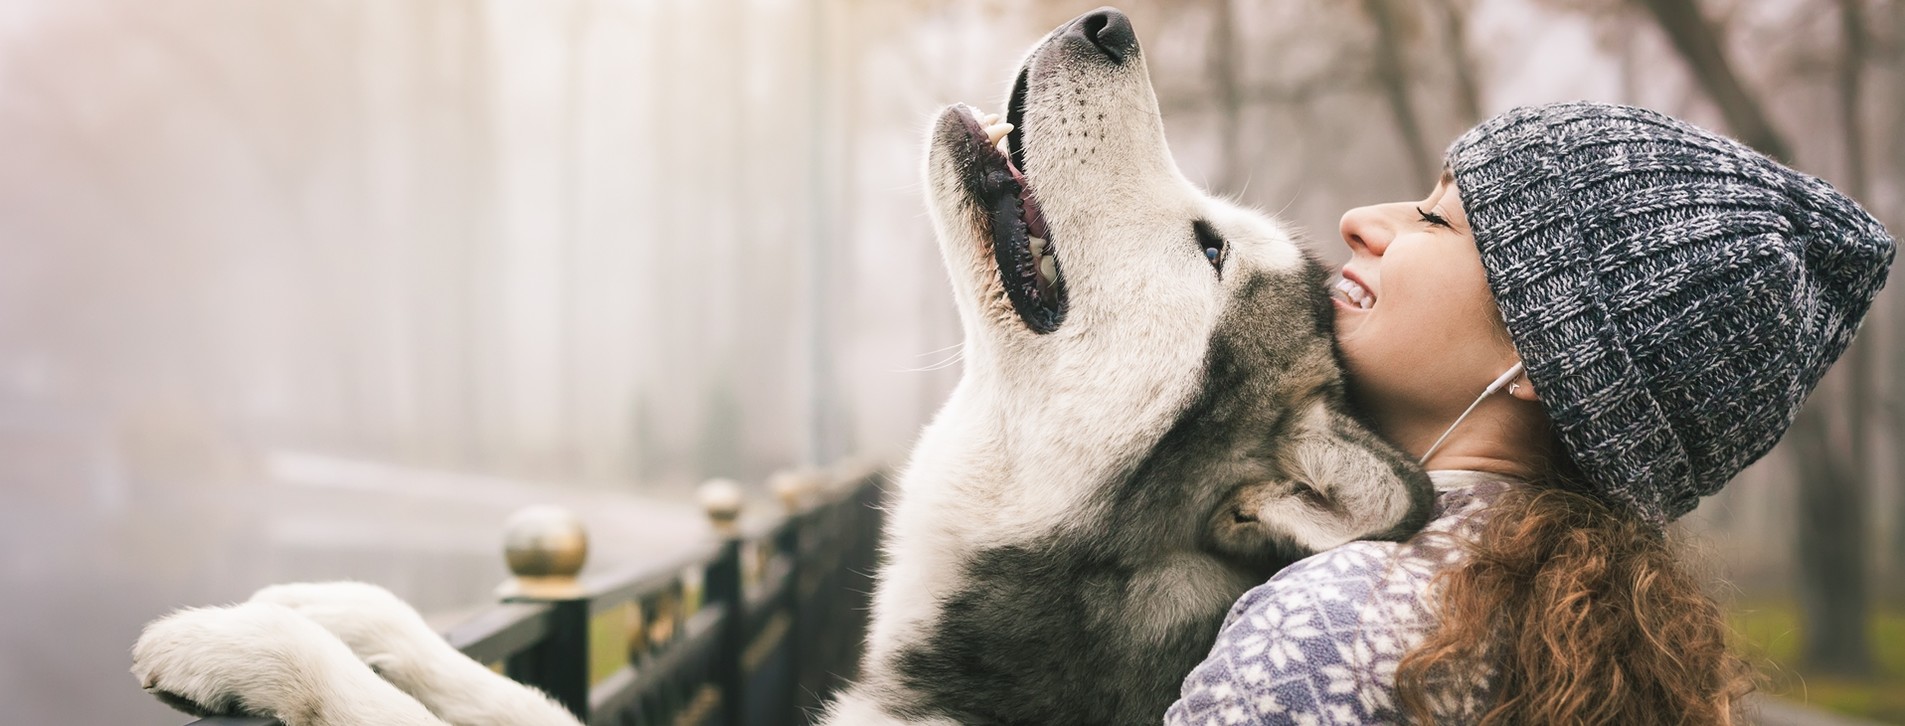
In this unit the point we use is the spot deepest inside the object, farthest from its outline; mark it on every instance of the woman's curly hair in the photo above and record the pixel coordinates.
(1584, 614)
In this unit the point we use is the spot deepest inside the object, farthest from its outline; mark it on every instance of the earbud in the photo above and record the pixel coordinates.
(1509, 375)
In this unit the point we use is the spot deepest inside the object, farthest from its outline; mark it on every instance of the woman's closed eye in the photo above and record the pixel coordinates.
(1434, 219)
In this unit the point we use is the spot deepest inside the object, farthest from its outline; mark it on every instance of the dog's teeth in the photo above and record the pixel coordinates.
(1038, 245)
(995, 132)
(989, 119)
(1048, 267)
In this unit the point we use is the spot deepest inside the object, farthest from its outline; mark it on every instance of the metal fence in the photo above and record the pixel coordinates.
(755, 627)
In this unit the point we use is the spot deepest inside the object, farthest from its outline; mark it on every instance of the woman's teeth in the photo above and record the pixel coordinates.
(1354, 294)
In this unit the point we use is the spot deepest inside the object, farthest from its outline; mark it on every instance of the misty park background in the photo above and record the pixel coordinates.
(324, 289)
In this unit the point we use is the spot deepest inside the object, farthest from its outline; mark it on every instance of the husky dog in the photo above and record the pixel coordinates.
(1151, 421)
(1151, 418)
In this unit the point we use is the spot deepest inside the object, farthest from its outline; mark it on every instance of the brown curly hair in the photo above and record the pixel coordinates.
(1586, 615)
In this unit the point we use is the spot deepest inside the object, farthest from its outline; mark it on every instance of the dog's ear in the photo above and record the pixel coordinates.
(1341, 483)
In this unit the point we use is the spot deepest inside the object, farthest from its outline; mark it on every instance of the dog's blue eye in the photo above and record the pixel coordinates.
(1212, 243)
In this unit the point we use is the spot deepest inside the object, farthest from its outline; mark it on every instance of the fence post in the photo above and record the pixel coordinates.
(721, 500)
(793, 488)
(545, 547)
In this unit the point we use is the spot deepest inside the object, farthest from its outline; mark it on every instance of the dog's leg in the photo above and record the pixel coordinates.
(264, 660)
(393, 639)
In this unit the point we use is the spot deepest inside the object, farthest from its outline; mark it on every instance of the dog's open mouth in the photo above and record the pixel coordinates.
(1022, 245)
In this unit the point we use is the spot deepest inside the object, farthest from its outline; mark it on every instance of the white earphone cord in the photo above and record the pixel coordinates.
(1503, 380)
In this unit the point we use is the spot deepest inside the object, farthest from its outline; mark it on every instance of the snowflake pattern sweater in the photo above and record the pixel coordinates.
(1319, 643)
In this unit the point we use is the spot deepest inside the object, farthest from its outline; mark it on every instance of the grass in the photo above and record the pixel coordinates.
(1772, 636)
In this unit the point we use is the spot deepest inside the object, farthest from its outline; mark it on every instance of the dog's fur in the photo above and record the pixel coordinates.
(1129, 450)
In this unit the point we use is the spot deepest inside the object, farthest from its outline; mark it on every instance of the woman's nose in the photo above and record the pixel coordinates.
(1365, 230)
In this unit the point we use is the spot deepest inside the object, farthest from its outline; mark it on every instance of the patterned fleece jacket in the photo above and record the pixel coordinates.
(1319, 643)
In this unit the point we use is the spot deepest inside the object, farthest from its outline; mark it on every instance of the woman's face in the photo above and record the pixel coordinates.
(1417, 325)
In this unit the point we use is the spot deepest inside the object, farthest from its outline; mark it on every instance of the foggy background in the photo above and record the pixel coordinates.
(322, 289)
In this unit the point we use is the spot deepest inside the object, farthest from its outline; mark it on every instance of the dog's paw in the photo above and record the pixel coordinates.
(383, 630)
(251, 659)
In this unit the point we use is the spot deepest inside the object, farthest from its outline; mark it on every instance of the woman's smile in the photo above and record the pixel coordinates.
(1351, 292)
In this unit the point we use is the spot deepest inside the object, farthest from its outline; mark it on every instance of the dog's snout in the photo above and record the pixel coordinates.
(1110, 31)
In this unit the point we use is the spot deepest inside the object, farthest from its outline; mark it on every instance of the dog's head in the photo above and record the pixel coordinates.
(1109, 302)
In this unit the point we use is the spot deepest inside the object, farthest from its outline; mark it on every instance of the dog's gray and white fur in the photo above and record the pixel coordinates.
(1129, 449)
(1132, 446)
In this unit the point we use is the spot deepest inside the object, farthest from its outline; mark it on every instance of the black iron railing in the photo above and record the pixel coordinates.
(754, 627)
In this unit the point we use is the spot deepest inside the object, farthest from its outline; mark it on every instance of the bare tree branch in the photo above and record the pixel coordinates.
(1698, 43)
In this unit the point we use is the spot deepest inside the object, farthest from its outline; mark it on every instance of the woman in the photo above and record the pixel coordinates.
(1641, 306)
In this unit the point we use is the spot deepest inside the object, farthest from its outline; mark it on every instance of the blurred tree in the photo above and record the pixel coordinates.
(1851, 73)
(721, 446)
(1223, 60)
(476, 219)
(1894, 386)
(1831, 537)
(575, 73)
(1393, 75)
(1833, 540)
(1455, 44)
(1851, 92)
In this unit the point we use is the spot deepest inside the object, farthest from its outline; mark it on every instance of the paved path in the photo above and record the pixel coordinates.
(81, 579)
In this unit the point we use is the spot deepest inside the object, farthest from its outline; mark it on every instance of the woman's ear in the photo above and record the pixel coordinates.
(1523, 389)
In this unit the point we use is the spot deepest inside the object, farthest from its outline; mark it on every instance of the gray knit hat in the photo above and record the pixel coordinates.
(1674, 294)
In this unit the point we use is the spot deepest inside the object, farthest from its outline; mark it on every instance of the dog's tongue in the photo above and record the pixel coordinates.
(1034, 219)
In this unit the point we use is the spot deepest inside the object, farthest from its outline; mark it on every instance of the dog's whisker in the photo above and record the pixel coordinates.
(1286, 205)
(941, 350)
(956, 357)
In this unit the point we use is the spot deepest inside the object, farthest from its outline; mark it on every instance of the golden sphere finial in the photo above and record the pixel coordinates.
(721, 499)
(545, 542)
(791, 486)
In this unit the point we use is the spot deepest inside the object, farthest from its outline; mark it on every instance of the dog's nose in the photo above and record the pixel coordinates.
(1111, 31)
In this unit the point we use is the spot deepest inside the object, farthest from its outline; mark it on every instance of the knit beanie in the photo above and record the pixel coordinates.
(1674, 294)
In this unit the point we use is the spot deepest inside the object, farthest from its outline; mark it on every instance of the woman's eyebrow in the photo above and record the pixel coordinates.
(1448, 175)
